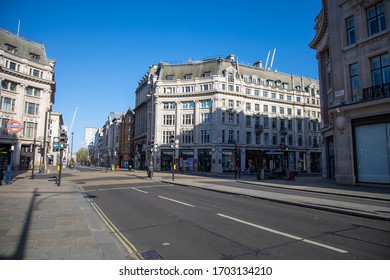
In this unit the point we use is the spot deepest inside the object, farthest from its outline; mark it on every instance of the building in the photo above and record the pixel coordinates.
(353, 41)
(56, 123)
(126, 135)
(89, 135)
(27, 95)
(225, 116)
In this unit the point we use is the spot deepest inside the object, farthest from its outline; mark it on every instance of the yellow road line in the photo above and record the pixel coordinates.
(125, 242)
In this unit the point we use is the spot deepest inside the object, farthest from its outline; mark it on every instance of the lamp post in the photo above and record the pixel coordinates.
(151, 135)
(71, 149)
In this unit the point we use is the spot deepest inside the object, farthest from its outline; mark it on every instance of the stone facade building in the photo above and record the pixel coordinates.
(224, 116)
(27, 95)
(353, 43)
(126, 135)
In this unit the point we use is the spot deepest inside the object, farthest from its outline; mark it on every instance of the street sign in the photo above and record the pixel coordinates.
(14, 126)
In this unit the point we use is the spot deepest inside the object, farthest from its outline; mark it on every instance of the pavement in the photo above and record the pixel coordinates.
(41, 221)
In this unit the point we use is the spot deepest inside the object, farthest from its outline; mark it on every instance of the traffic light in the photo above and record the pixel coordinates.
(172, 141)
(151, 146)
(63, 138)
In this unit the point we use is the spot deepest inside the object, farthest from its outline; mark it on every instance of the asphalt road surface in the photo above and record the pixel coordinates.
(189, 223)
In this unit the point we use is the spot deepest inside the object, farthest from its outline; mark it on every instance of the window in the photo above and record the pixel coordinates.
(299, 112)
(187, 119)
(230, 77)
(205, 118)
(237, 89)
(274, 139)
(223, 103)
(170, 90)
(166, 136)
(273, 95)
(254, 79)
(168, 120)
(35, 73)
(278, 84)
(298, 99)
(248, 137)
(238, 118)
(376, 18)
(169, 105)
(351, 35)
(188, 105)
(231, 118)
(248, 106)
(205, 136)
(300, 140)
(289, 111)
(246, 79)
(257, 93)
(204, 87)
(266, 122)
(31, 108)
(270, 83)
(257, 107)
(7, 104)
(187, 76)
(230, 88)
(274, 123)
(290, 140)
(34, 57)
(299, 122)
(289, 124)
(380, 70)
(281, 110)
(11, 49)
(9, 85)
(33, 91)
(265, 93)
(266, 138)
(231, 103)
(265, 109)
(248, 121)
(238, 140)
(30, 129)
(247, 90)
(207, 74)
(281, 96)
(223, 136)
(231, 136)
(355, 82)
(12, 65)
(206, 103)
(13, 86)
(274, 109)
(289, 98)
(187, 136)
(169, 77)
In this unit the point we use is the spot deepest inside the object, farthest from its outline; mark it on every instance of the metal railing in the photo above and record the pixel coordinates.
(376, 92)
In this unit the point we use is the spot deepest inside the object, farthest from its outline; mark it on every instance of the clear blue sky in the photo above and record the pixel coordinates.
(102, 48)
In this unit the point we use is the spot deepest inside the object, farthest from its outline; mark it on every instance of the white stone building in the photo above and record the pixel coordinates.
(353, 50)
(225, 116)
(27, 95)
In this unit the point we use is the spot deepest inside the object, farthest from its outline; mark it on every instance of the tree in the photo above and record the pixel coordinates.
(82, 156)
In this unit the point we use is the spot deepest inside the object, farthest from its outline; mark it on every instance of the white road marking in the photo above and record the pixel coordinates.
(138, 190)
(186, 204)
(285, 234)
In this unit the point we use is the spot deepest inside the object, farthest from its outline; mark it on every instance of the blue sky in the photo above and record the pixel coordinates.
(102, 48)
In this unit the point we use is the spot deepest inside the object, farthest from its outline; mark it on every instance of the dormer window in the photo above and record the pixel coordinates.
(187, 76)
(231, 77)
(34, 57)
(270, 83)
(169, 77)
(10, 48)
(207, 74)
(278, 84)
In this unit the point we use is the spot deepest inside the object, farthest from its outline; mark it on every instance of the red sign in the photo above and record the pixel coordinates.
(14, 126)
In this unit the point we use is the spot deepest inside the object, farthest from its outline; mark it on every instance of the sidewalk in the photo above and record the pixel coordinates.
(312, 184)
(41, 221)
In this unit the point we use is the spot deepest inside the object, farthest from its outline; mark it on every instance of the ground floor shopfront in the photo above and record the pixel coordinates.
(193, 160)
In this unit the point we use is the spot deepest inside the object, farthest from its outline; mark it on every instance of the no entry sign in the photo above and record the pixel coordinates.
(14, 126)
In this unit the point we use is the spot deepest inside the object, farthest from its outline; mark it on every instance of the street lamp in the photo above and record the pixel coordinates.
(71, 149)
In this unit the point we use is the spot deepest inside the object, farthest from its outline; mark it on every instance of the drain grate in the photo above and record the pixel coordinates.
(150, 255)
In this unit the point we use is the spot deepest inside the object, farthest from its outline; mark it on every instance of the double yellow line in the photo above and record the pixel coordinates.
(133, 252)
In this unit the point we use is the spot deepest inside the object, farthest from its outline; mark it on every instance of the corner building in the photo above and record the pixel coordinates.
(353, 42)
(226, 115)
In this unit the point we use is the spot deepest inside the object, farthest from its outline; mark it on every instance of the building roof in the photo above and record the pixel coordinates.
(24, 48)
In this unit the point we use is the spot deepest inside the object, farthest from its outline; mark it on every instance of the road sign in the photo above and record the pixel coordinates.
(14, 126)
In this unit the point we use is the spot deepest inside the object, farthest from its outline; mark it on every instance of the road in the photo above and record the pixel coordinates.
(189, 223)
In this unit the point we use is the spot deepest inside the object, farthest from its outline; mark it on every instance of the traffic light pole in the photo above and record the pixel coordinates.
(60, 169)
(173, 164)
(33, 161)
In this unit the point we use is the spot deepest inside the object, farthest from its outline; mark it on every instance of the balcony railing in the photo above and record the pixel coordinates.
(376, 92)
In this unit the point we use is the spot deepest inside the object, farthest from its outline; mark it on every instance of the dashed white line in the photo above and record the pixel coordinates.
(138, 190)
(186, 204)
(285, 234)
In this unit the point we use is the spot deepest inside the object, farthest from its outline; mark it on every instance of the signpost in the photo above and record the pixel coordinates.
(13, 127)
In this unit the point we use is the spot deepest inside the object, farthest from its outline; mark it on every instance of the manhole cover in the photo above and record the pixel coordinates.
(150, 255)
